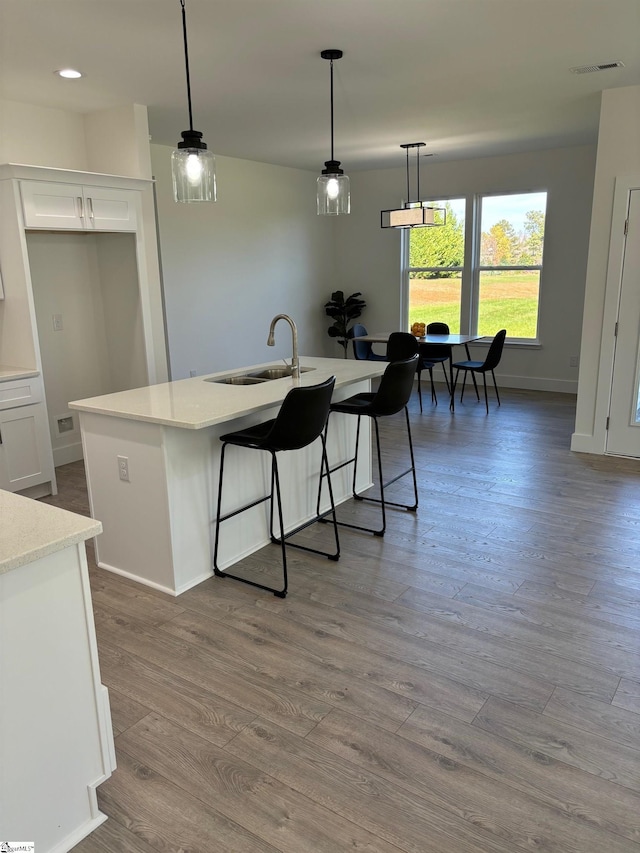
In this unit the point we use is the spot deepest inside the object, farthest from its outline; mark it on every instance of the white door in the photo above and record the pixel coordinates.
(623, 435)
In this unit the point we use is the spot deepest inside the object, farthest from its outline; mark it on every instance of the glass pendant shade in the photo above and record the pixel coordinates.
(334, 197)
(193, 169)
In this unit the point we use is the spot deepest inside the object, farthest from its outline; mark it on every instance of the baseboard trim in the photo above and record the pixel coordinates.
(138, 579)
(584, 443)
(68, 453)
(539, 383)
(526, 383)
(78, 834)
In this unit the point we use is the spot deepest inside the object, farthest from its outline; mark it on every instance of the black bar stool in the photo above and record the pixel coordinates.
(391, 397)
(402, 345)
(300, 421)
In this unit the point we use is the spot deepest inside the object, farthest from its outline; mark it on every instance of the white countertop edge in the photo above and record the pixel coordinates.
(9, 372)
(196, 404)
(30, 530)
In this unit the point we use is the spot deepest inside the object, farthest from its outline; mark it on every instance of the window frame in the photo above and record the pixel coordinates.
(472, 268)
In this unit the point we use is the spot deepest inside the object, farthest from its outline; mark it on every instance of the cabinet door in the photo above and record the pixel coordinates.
(77, 208)
(109, 210)
(49, 205)
(23, 432)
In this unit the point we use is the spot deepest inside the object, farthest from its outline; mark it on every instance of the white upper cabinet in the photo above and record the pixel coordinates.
(77, 207)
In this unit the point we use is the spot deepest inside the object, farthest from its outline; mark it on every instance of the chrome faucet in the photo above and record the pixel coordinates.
(295, 362)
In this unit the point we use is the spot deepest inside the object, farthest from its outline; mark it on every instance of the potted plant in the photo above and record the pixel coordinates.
(343, 312)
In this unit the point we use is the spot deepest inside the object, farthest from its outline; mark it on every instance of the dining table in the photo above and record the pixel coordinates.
(437, 340)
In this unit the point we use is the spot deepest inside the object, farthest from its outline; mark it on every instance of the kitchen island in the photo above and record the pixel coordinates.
(56, 739)
(152, 460)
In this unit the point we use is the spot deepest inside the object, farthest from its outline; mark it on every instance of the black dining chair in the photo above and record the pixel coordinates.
(363, 350)
(483, 367)
(403, 345)
(300, 421)
(391, 398)
(437, 353)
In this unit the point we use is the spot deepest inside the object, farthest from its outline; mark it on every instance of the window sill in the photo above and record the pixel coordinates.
(513, 344)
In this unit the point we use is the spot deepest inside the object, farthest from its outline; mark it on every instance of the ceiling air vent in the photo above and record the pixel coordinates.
(604, 66)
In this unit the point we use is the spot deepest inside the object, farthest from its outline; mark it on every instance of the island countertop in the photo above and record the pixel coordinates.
(198, 403)
(31, 530)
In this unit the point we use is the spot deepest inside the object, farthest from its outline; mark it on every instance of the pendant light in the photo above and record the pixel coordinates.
(413, 214)
(334, 197)
(192, 166)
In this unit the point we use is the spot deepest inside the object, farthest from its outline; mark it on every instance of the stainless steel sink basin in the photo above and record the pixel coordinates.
(256, 378)
(237, 380)
(276, 373)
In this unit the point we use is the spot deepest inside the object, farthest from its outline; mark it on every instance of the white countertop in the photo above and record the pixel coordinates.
(195, 403)
(8, 372)
(30, 529)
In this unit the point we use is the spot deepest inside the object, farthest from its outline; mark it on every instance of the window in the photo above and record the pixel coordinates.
(499, 286)
(436, 259)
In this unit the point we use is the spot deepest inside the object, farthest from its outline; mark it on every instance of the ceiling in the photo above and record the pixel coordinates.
(470, 78)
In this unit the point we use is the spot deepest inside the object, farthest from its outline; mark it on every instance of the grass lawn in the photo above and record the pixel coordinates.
(508, 300)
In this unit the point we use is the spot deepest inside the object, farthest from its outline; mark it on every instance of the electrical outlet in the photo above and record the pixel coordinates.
(123, 468)
(573, 361)
(57, 323)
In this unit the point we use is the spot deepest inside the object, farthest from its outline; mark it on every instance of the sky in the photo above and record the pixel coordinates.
(512, 207)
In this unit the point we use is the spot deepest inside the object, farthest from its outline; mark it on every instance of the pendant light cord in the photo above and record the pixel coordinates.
(186, 62)
(408, 188)
(332, 109)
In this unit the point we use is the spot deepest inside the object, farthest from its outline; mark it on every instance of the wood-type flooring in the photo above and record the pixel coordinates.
(469, 682)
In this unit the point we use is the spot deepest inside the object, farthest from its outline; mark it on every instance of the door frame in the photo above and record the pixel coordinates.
(621, 199)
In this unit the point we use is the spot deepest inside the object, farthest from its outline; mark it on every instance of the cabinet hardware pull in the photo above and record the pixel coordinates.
(90, 205)
(80, 207)
(0, 436)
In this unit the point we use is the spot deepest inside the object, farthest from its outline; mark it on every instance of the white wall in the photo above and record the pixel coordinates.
(229, 267)
(618, 155)
(114, 142)
(41, 136)
(64, 276)
(368, 258)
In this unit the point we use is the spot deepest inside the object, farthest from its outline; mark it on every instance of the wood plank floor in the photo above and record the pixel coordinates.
(471, 682)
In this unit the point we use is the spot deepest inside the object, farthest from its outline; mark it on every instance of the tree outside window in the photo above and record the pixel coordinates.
(436, 258)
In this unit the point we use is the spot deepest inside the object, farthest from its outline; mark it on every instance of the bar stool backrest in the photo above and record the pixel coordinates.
(395, 387)
(302, 417)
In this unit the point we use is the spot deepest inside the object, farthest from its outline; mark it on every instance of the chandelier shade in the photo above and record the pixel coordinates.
(192, 164)
(333, 190)
(413, 214)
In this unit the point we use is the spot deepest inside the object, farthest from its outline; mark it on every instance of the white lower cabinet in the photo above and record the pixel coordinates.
(25, 446)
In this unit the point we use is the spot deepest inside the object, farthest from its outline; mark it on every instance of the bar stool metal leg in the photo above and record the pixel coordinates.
(281, 540)
(381, 500)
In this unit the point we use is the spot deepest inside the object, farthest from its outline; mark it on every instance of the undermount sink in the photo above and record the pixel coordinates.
(276, 373)
(256, 378)
(237, 380)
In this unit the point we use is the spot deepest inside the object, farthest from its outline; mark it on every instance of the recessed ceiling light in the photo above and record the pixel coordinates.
(69, 73)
